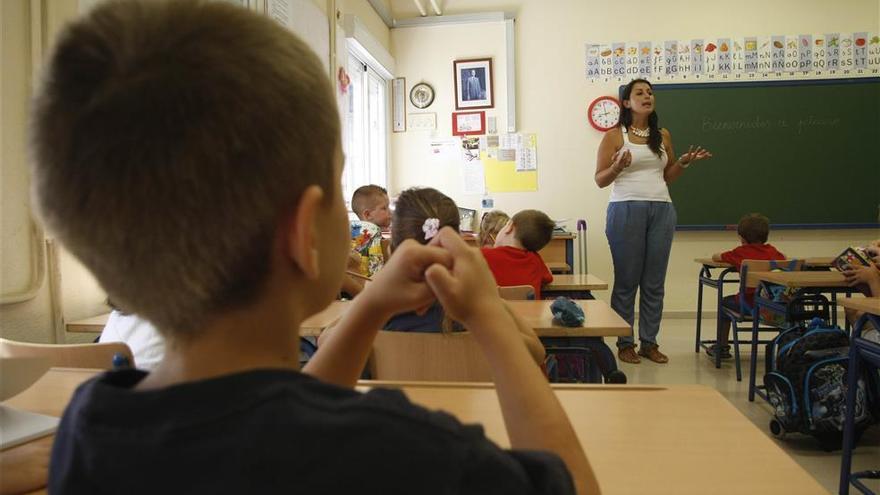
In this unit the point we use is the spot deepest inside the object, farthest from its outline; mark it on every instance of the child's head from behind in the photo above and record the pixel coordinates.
(753, 228)
(416, 205)
(173, 158)
(531, 229)
(490, 225)
(370, 203)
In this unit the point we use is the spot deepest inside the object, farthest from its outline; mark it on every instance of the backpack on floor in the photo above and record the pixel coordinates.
(806, 384)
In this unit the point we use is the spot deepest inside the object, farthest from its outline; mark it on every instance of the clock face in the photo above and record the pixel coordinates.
(421, 95)
(604, 113)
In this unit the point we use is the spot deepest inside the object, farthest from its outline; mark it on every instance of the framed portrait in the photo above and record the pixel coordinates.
(473, 83)
(466, 123)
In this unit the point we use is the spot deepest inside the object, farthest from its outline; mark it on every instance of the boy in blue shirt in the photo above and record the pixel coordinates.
(188, 153)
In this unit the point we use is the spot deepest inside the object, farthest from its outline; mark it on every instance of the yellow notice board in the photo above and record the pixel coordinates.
(503, 177)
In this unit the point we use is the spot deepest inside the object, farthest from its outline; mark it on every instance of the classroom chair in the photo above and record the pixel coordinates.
(97, 356)
(419, 356)
(517, 293)
(867, 353)
(746, 313)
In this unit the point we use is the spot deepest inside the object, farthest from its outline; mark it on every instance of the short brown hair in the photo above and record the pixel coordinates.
(491, 224)
(754, 228)
(416, 205)
(534, 229)
(366, 197)
(169, 140)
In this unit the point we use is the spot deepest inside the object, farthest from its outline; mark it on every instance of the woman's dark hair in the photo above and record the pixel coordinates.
(416, 205)
(655, 139)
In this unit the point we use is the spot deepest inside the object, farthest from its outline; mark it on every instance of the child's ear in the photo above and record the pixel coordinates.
(301, 235)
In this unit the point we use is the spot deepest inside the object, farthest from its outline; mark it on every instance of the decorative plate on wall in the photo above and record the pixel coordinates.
(421, 95)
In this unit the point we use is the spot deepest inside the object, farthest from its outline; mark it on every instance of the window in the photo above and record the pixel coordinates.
(365, 133)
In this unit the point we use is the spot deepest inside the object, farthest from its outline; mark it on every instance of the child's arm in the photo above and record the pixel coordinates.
(868, 275)
(717, 257)
(532, 413)
(398, 287)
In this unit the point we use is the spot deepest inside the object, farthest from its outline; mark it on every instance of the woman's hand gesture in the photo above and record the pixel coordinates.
(694, 154)
(621, 160)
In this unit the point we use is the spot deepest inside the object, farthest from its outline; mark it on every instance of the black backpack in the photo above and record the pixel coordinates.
(806, 384)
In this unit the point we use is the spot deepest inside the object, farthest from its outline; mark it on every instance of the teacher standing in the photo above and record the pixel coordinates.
(638, 158)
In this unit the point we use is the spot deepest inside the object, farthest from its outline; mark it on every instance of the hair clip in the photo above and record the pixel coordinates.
(430, 227)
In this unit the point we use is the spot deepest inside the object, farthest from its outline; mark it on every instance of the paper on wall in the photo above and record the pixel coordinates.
(445, 149)
(474, 177)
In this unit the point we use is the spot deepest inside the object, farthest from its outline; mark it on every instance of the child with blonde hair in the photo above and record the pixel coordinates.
(490, 225)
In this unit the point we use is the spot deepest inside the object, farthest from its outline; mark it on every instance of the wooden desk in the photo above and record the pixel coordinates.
(311, 327)
(662, 430)
(25, 468)
(601, 320)
(315, 324)
(558, 267)
(94, 324)
(829, 280)
(575, 282)
(812, 262)
(866, 304)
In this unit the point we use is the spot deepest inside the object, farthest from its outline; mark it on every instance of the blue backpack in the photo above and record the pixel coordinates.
(806, 384)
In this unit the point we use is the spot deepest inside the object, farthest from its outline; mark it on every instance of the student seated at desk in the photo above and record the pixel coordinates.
(232, 119)
(490, 225)
(372, 207)
(753, 231)
(515, 260)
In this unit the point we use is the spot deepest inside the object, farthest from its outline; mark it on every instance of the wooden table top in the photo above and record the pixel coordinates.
(315, 324)
(311, 327)
(94, 324)
(25, 468)
(831, 279)
(662, 430)
(575, 281)
(814, 262)
(866, 304)
(558, 267)
(601, 320)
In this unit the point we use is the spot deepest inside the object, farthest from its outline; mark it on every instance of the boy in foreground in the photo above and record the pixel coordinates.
(206, 140)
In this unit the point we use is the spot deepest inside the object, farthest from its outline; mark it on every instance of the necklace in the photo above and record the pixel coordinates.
(643, 133)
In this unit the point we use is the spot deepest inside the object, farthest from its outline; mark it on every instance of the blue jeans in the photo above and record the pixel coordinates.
(640, 236)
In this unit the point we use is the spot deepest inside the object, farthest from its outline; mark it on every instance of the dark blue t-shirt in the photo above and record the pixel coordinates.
(274, 431)
(430, 321)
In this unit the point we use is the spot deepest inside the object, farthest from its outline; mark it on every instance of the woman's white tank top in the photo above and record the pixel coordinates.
(643, 179)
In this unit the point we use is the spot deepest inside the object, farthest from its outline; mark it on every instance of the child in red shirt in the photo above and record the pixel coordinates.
(515, 260)
(753, 230)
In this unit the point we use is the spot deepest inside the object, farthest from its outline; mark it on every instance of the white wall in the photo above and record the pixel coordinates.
(553, 94)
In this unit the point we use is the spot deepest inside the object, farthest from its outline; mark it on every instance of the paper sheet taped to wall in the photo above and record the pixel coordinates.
(502, 176)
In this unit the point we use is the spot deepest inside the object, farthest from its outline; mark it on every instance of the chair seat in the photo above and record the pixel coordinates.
(736, 315)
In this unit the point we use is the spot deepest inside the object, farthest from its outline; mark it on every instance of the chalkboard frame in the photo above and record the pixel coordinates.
(783, 83)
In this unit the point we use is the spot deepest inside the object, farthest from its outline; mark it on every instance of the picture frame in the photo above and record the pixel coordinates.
(468, 123)
(474, 87)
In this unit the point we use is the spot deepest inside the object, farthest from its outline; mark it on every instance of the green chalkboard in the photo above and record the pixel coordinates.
(803, 153)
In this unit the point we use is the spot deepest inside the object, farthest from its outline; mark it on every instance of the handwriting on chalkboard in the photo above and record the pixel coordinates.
(800, 125)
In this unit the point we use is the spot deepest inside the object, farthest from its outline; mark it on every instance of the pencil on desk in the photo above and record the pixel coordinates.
(358, 275)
